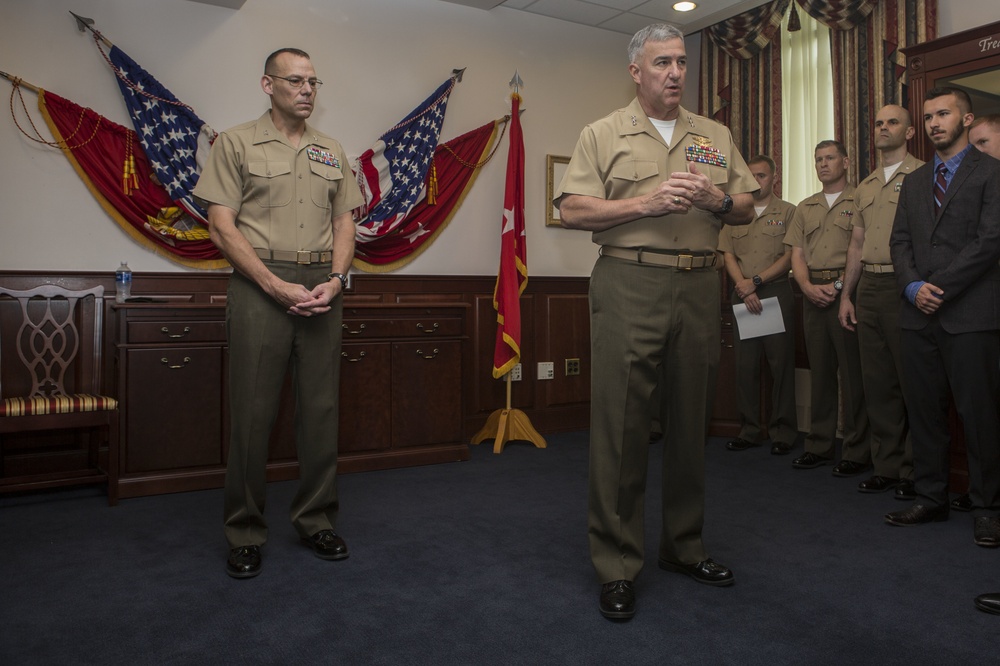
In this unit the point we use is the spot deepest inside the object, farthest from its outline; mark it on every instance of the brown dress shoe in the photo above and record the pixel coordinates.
(917, 515)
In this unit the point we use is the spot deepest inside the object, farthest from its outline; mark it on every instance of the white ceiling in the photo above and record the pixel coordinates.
(624, 16)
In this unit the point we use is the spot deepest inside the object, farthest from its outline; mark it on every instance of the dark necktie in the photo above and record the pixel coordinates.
(940, 187)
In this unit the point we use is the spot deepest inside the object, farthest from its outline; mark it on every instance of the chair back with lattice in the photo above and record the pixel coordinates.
(55, 351)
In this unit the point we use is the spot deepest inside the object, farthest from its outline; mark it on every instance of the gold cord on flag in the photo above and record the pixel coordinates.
(130, 182)
(432, 185)
(505, 120)
(62, 144)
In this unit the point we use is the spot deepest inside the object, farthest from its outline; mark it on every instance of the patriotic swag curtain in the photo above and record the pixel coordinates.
(868, 67)
(741, 81)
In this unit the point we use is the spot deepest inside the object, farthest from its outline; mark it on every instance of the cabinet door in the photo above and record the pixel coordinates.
(174, 409)
(426, 392)
(365, 398)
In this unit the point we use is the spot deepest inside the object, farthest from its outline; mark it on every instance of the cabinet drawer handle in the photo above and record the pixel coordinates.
(164, 361)
(433, 329)
(357, 332)
(166, 331)
(433, 354)
(360, 356)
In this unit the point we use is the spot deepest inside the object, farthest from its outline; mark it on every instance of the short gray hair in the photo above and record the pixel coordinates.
(657, 32)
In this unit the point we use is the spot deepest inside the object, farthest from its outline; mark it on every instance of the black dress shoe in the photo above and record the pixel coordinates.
(243, 562)
(989, 603)
(905, 491)
(986, 531)
(917, 515)
(962, 503)
(809, 461)
(849, 468)
(327, 545)
(740, 444)
(780, 449)
(618, 600)
(708, 572)
(877, 484)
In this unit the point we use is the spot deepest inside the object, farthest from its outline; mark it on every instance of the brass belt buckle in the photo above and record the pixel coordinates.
(303, 257)
(689, 258)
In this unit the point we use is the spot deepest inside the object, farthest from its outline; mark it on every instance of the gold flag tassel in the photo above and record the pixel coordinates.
(432, 184)
(130, 181)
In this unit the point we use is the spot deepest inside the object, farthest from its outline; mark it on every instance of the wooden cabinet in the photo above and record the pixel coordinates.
(401, 398)
(401, 393)
(969, 60)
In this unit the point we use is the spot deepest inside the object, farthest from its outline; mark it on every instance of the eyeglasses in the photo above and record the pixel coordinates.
(297, 82)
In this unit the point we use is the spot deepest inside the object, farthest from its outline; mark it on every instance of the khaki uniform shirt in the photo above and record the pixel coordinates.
(759, 244)
(875, 209)
(823, 233)
(623, 156)
(285, 197)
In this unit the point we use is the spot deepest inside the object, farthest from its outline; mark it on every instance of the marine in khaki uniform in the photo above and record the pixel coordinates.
(280, 196)
(876, 311)
(654, 183)
(819, 236)
(757, 261)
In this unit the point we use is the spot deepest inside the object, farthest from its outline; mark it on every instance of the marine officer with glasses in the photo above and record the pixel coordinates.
(280, 196)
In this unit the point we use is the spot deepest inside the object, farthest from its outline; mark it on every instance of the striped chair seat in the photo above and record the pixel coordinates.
(57, 404)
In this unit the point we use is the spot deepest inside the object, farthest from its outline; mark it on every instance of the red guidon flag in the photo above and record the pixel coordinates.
(512, 277)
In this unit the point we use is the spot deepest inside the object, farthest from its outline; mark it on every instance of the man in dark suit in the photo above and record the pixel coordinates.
(945, 246)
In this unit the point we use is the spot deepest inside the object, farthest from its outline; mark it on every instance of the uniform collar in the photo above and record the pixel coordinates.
(266, 131)
(635, 121)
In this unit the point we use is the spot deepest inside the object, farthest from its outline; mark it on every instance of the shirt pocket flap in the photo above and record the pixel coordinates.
(266, 169)
(635, 170)
(865, 201)
(325, 171)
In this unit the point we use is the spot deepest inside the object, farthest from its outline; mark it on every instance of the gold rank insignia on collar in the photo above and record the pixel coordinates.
(898, 186)
(322, 156)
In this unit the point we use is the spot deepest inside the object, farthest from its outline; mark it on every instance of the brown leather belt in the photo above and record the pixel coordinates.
(683, 260)
(826, 273)
(296, 256)
(878, 269)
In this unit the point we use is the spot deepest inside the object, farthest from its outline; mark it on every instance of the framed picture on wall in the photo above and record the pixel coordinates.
(555, 167)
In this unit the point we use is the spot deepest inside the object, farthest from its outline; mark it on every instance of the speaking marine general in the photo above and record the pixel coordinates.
(654, 183)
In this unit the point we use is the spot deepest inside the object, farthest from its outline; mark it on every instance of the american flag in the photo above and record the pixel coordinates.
(392, 174)
(176, 141)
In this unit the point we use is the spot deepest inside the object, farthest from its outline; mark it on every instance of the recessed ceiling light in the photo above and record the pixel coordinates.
(685, 6)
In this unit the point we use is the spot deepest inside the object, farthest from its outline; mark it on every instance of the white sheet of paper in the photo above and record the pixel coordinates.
(768, 322)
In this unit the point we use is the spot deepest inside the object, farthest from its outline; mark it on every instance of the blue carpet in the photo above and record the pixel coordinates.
(486, 562)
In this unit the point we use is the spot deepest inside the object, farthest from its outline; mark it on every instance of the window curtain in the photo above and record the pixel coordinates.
(868, 67)
(740, 82)
(808, 104)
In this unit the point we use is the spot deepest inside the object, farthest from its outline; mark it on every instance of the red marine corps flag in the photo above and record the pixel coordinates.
(510, 424)
(512, 277)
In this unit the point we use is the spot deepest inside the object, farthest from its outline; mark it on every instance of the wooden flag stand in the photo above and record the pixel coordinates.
(508, 424)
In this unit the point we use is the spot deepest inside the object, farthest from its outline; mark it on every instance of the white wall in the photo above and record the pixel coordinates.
(379, 58)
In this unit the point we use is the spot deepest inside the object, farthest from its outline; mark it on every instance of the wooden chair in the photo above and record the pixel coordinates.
(50, 380)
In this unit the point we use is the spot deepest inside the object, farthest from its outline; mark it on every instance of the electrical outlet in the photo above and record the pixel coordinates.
(572, 367)
(515, 373)
(546, 370)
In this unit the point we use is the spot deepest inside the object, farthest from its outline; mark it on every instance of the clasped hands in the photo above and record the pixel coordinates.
(682, 190)
(305, 303)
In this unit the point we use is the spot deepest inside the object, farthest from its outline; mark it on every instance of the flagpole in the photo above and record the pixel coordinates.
(18, 81)
(508, 424)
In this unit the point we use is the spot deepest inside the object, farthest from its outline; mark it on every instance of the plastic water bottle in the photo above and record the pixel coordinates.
(123, 283)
